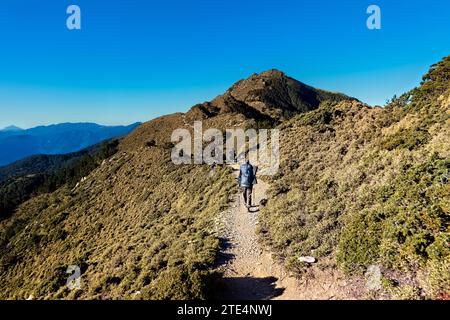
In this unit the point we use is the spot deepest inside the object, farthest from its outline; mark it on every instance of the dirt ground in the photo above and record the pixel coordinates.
(250, 273)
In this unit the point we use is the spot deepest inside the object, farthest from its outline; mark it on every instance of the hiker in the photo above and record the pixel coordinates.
(246, 180)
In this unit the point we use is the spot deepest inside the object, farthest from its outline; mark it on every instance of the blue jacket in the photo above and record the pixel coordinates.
(247, 176)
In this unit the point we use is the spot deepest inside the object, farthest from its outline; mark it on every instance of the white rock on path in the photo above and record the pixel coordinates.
(307, 259)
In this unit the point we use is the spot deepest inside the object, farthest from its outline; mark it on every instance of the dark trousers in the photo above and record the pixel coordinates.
(247, 193)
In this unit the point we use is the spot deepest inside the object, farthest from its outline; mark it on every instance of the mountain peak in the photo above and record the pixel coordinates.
(275, 73)
(269, 95)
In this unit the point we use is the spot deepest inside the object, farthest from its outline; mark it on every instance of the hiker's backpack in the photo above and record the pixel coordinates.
(247, 176)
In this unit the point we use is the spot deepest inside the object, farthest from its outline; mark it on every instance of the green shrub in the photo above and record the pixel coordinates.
(408, 229)
(410, 138)
(359, 242)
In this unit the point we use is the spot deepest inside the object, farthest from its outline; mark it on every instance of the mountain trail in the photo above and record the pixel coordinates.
(250, 272)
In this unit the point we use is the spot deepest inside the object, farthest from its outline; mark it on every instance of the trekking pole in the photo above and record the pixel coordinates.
(256, 182)
(239, 194)
(252, 197)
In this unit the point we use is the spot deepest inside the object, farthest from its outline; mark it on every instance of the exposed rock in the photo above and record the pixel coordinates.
(307, 259)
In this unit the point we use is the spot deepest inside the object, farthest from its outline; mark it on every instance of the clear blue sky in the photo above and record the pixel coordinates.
(134, 60)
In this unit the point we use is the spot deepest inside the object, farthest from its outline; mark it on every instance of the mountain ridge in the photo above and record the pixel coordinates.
(353, 182)
(55, 139)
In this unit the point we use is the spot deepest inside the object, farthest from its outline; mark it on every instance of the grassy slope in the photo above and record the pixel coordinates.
(46, 173)
(137, 223)
(369, 186)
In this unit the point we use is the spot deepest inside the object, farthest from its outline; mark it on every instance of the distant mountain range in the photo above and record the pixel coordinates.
(17, 143)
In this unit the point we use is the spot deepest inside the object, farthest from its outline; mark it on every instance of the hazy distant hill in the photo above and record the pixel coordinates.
(11, 129)
(16, 144)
